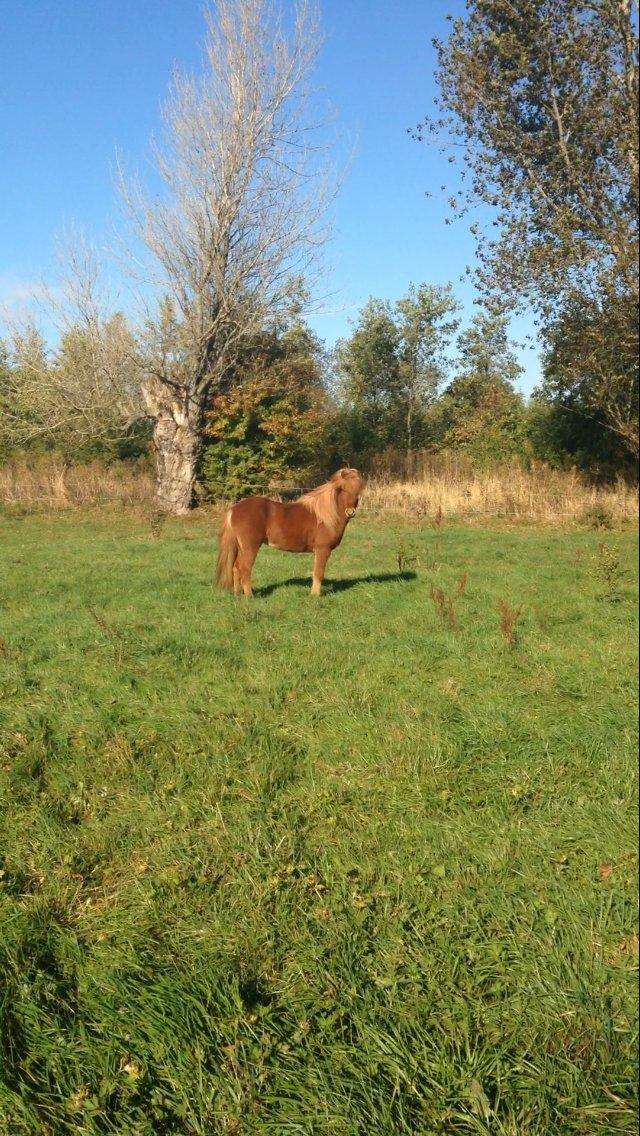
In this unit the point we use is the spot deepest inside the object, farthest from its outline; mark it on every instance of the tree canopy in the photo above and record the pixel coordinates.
(539, 103)
(394, 364)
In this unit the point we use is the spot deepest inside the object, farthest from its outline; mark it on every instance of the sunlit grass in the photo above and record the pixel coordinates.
(330, 867)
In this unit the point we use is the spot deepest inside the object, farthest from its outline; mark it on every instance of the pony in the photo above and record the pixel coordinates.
(314, 523)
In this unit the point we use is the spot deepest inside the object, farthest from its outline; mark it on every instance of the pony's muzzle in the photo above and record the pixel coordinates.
(350, 512)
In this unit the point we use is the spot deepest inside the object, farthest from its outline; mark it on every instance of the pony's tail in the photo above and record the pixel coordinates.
(227, 552)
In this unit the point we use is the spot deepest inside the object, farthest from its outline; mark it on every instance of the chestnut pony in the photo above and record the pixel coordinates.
(314, 523)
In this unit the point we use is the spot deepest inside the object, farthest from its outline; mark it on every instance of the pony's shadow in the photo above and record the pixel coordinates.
(331, 586)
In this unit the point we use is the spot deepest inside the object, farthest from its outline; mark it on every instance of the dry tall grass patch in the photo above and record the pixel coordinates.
(444, 488)
(48, 482)
(538, 495)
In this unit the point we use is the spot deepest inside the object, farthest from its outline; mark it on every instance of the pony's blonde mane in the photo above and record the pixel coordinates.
(322, 502)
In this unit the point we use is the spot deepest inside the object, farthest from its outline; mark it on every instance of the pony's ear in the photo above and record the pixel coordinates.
(343, 472)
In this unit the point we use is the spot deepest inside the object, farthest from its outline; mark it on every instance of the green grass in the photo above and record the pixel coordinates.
(317, 867)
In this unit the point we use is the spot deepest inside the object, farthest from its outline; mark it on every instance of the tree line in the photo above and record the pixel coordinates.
(218, 371)
(409, 380)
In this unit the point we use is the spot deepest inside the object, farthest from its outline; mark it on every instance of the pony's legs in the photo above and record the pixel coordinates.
(320, 558)
(243, 565)
(237, 583)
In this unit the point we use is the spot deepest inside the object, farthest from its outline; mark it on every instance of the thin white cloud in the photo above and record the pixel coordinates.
(15, 294)
(24, 302)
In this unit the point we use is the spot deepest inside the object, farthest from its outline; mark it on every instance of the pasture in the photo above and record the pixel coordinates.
(361, 866)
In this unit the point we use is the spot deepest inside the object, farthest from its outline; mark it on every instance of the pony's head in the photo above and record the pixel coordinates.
(348, 487)
(335, 499)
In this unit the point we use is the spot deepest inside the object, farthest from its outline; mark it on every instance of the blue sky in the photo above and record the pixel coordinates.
(80, 79)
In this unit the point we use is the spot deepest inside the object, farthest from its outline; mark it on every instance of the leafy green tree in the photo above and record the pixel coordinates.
(426, 321)
(542, 98)
(564, 435)
(542, 95)
(486, 356)
(586, 410)
(394, 363)
(368, 369)
(480, 411)
(591, 365)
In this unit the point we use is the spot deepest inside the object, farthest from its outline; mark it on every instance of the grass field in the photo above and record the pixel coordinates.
(345, 867)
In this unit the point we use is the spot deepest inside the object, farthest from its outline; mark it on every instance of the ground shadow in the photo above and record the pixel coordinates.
(330, 586)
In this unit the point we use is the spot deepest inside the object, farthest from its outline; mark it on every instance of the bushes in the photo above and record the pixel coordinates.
(228, 470)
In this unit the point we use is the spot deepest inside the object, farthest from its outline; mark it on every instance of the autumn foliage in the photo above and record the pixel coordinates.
(268, 425)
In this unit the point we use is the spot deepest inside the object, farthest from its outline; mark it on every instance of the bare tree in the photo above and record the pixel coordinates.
(238, 223)
(86, 386)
